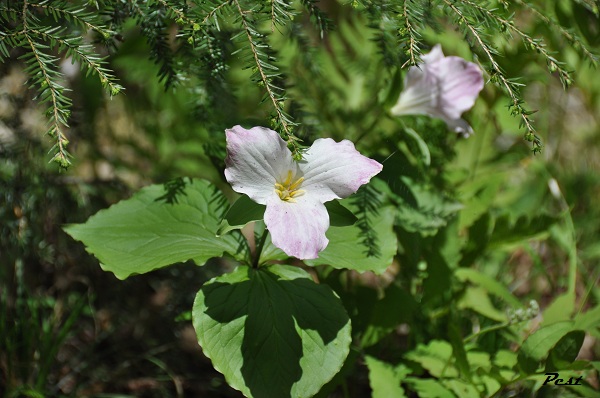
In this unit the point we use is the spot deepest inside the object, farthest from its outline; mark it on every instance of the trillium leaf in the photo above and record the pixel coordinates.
(345, 249)
(243, 211)
(272, 331)
(339, 216)
(144, 232)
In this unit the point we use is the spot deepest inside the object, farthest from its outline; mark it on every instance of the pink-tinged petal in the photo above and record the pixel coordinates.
(460, 84)
(298, 228)
(256, 159)
(335, 170)
(434, 55)
(442, 87)
(420, 94)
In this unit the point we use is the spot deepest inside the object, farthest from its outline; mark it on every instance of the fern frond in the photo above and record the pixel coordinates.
(367, 200)
(511, 87)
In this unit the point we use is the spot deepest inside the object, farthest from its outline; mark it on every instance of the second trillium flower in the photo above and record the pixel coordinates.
(260, 165)
(442, 87)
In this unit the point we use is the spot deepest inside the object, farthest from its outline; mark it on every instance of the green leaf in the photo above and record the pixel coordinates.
(344, 251)
(385, 379)
(565, 351)
(588, 320)
(537, 346)
(560, 309)
(143, 233)
(429, 388)
(462, 389)
(241, 212)
(422, 209)
(489, 284)
(435, 357)
(339, 216)
(421, 144)
(507, 232)
(477, 299)
(272, 331)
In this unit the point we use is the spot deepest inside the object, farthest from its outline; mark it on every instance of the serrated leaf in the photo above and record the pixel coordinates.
(143, 233)
(429, 388)
(272, 331)
(435, 357)
(345, 250)
(385, 379)
(241, 212)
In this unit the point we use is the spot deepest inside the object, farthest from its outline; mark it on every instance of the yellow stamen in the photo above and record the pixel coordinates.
(288, 190)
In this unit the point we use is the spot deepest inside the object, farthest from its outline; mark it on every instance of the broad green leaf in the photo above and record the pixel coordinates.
(143, 233)
(565, 351)
(537, 346)
(560, 309)
(272, 331)
(339, 216)
(346, 251)
(385, 379)
(491, 285)
(241, 212)
(588, 320)
(477, 299)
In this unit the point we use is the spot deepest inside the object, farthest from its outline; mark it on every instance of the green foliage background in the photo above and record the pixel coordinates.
(144, 90)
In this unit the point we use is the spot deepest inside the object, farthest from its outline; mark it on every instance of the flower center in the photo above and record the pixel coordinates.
(288, 189)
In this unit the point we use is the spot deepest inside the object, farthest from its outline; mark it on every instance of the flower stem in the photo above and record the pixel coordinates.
(259, 248)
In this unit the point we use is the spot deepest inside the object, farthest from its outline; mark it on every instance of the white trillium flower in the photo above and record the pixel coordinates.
(442, 87)
(260, 165)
